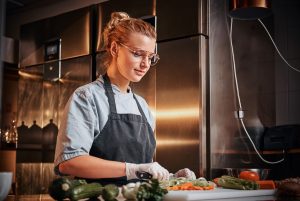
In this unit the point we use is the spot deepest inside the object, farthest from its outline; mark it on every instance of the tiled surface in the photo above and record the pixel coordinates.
(288, 80)
(281, 77)
(282, 112)
(269, 90)
(293, 42)
(293, 13)
(294, 107)
(294, 76)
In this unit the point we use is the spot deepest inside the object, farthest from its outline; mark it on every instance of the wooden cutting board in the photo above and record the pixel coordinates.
(218, 193)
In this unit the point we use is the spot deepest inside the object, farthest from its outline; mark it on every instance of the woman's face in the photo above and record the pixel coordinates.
(132, 58)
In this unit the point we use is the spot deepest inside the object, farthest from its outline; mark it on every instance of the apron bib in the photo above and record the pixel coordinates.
(124, 138)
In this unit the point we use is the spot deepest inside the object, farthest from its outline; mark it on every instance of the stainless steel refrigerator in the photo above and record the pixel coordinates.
(55, 59)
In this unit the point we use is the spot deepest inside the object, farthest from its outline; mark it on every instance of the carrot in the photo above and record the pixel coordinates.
(189, 186)
(266, 184)
(198, 188)
(206, 188)
(174, 188)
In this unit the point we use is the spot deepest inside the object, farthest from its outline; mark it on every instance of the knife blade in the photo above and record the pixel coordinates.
(143, 175)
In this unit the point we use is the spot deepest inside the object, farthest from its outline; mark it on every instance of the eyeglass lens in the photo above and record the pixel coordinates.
(153, 59)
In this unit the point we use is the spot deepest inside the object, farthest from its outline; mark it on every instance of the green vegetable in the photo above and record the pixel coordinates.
(176, 181)
(129, 191)
(60, 188)
(201, 183)
(110, 192)
(90, 190)
(236, 183)
(151, 191)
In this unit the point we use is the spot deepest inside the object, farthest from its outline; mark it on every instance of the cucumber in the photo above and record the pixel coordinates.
(61, 187)
(90, 190)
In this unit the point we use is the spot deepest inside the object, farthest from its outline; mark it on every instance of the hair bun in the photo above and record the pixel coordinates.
(116, 17)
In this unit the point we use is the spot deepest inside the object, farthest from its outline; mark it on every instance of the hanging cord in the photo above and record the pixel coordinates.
(249, 156)
(240, 112)
(295, 69)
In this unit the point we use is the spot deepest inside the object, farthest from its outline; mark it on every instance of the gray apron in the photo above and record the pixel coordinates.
(125, 138)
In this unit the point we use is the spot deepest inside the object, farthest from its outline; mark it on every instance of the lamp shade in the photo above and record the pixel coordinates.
(249, 9)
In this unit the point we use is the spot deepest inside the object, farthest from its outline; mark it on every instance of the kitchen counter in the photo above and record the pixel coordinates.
(217, 194)
(45, 197)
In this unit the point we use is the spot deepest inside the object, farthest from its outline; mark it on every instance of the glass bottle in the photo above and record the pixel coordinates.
(11, 135)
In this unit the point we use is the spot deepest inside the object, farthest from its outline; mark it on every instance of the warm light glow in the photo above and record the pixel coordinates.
(177, 113)
(47, 113)
(29, 75)
(68, 81)
(178, 142)
(87, 30)
(47, 85)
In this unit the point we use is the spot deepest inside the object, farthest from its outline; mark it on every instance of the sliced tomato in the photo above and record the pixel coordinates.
(215, 180)
(249, 175)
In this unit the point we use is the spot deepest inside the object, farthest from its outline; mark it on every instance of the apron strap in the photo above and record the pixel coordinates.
(139, 106)
(110, 94)
(111, 99)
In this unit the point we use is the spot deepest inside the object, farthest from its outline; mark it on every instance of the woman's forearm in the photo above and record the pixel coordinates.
(91, 167)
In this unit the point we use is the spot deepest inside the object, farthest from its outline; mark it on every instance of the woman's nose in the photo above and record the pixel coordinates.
(146, 61)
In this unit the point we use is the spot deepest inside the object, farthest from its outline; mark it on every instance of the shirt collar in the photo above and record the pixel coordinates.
(115, 87)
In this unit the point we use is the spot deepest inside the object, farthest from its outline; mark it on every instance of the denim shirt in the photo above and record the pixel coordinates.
(85, 115)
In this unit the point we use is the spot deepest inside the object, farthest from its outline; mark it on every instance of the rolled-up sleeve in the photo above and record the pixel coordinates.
(78, 127)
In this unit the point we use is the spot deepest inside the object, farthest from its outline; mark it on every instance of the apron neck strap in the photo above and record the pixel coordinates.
(110, 94)
(111, 99)
(139, 106)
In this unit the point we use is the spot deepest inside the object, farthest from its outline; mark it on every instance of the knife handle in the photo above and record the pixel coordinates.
(143, 175)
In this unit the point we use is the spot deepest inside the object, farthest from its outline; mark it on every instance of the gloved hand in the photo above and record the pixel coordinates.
(187, 173)
(157, 171)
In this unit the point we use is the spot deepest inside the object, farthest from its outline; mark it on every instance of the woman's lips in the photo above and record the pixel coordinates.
(140, 72)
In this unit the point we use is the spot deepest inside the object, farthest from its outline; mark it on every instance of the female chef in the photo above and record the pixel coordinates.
(106, 133)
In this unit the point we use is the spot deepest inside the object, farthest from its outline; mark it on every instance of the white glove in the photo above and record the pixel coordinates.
(187, 173)
(156, 170)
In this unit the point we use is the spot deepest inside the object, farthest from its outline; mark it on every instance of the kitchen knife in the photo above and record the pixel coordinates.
(143, 175)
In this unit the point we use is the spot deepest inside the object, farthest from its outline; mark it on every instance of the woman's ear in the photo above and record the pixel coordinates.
(114, 49)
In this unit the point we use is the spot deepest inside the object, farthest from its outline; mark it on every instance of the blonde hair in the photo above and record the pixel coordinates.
(120, 27)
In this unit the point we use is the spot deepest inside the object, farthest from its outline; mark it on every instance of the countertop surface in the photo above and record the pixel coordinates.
(45, 197)
(217, 194)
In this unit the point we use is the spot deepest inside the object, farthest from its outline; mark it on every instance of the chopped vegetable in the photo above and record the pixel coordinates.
(236, 183)
(249, 175)
(91, 190)
(150, 191)
(215, 180)
(61, 187)
(110, 192)
(186, 184)
(129, 191)
(266, 184)
(190, 186)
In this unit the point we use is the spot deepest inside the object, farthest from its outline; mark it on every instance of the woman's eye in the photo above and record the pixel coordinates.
(137, 54)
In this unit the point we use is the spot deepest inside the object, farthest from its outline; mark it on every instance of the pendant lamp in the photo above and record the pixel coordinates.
(249, 9)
